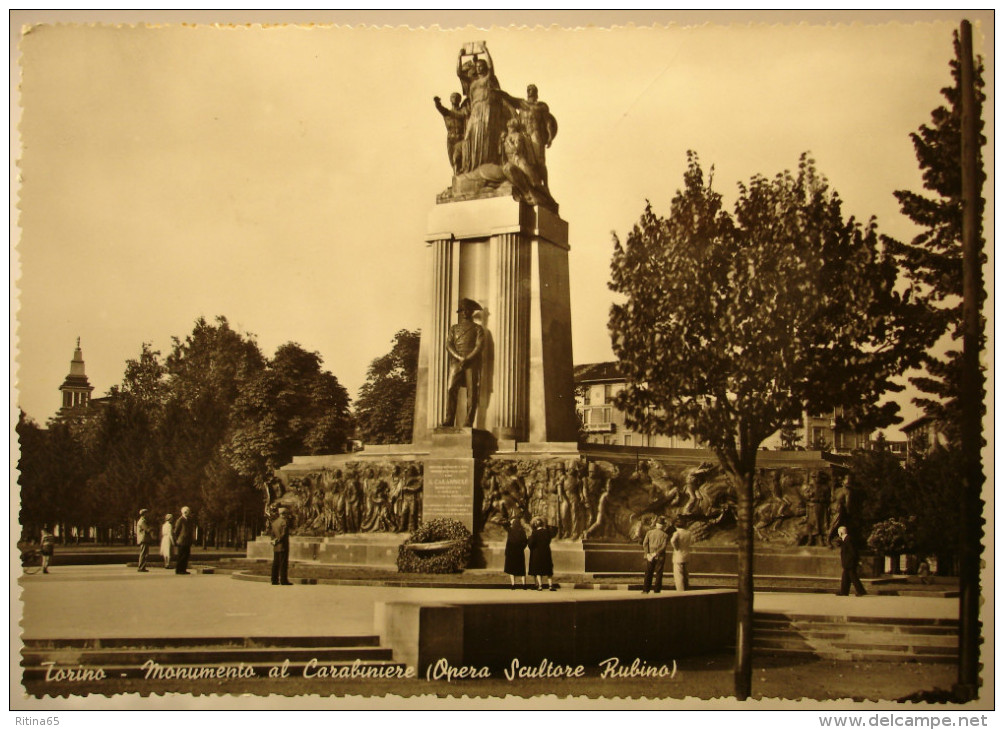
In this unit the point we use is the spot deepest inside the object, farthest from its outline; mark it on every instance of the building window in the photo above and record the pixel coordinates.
(597, 415)
(607, 392)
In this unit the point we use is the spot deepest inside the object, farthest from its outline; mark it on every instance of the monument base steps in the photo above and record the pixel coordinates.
(845, 638)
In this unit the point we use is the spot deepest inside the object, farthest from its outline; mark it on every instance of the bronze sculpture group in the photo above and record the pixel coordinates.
(582, 499)
(359, 498)
(566, 495)
(494, 137)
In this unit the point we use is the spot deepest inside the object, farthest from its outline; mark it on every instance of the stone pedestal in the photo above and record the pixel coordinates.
(512, 259)
(451, 486)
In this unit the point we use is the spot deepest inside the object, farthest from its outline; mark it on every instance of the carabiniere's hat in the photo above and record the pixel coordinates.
(468, 305)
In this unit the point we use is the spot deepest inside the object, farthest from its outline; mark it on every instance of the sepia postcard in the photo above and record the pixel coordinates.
(502, 360)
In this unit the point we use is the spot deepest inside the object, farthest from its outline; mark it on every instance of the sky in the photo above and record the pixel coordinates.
(283, 176)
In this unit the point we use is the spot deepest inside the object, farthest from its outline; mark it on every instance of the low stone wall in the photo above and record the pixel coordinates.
(786, 562)
(582, 631)
(377, 550)
(568, 557)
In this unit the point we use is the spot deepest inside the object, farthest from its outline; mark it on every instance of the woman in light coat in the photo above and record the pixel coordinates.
(166, 541)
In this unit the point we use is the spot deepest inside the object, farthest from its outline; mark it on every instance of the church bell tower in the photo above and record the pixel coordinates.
(76, 389)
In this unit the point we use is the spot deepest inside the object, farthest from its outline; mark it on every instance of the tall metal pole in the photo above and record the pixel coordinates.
(972, 382)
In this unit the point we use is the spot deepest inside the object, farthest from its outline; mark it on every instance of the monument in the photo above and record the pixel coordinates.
(495, 433)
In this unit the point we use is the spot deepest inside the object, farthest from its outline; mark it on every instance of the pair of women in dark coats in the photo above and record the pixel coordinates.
(541, 564)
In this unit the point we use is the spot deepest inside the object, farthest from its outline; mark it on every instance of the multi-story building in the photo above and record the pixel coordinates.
(596, 385)
(828, 432)
(922, 435)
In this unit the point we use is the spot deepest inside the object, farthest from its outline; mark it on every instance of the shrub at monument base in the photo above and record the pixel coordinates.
(448, 548)
(893, 536)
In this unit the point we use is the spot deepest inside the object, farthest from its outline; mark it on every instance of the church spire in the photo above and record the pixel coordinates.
(76, 389)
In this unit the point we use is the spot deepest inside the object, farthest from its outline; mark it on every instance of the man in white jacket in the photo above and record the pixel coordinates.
(681, 542)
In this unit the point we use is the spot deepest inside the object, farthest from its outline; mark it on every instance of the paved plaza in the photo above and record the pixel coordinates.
(109, 601)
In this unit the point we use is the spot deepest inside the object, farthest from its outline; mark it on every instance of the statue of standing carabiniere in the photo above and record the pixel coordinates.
(464, 345)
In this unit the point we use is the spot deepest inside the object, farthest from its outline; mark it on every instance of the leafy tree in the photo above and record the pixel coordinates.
(731, 326)
(52, 471)
(881, 480)
(934, 257)
(144, 377)
(791, 439)
(206, 374)
(40, 486)
(385, 409)
(203, 426)
(932, 481)
(291, 407)
(121, 445)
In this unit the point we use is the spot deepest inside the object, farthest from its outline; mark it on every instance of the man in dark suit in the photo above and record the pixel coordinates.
(144, 538)
(654, 546)
(849, 565)
(184, 534)
(280, 549)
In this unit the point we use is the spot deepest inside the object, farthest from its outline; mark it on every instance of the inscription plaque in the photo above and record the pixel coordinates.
(449, 490)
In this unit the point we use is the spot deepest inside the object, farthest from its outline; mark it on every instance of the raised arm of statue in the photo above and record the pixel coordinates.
(464, 72)
(488, 58)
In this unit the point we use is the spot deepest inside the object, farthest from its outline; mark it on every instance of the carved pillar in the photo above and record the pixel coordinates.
(444, 300)
(511, 334)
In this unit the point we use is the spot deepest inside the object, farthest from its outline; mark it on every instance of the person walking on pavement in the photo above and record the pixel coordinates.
(681, 541)
(849, 565)
(654, 546)
(184, 534)
(166, 541)
(541, 563)
(280, 549)
(144, 538)
(515, 553)
(48, 545)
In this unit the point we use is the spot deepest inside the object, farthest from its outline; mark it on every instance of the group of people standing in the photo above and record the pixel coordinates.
(176, 538)
(656, 542)
(539, 541)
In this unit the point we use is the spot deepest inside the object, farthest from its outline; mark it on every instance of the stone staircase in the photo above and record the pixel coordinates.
(856, 638)
(210, 657)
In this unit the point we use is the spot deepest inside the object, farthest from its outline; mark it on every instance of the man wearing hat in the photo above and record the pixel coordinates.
(848, 564)
(184, 535)
(654, 545)
(280, 549)
(464, 345)
(144, 536)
